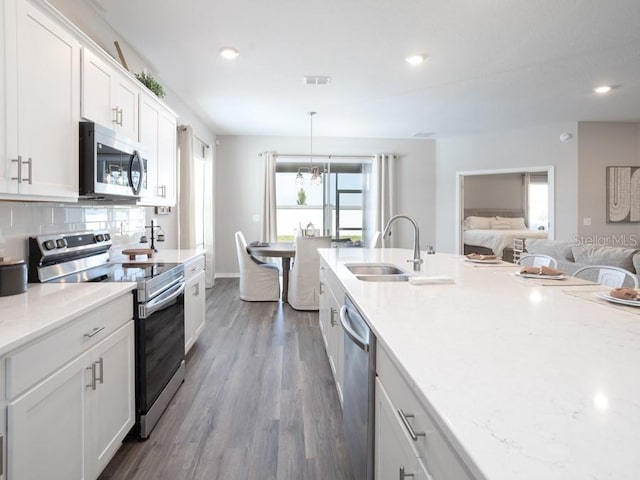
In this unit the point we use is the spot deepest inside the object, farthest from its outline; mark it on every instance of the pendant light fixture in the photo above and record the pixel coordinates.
(315, 171)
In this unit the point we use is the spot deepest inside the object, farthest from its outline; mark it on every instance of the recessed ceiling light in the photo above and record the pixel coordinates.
(229, 53)
(415, 59)
(602, 89)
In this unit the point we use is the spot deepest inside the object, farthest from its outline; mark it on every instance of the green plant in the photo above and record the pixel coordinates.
(302, 197)
(151, 83)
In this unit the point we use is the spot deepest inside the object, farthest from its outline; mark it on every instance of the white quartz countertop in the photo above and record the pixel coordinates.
(526, 381)
(162, 256)
(45, 307)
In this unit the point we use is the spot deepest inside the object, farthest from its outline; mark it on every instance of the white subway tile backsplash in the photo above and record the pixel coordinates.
(20, 220)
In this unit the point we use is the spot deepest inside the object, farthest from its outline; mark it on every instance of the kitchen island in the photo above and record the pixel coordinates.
(525, 381)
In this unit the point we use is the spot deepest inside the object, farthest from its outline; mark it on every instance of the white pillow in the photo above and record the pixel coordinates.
(500, 224)
(517, 223)
(478, 223)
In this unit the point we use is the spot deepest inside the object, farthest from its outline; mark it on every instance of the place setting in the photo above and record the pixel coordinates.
(480, 260)
(620, 298)
(548, 276)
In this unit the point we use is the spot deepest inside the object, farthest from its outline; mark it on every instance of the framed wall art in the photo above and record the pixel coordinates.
(623, 194)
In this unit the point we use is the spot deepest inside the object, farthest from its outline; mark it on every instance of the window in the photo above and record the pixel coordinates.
(538, 202)
(335, 208)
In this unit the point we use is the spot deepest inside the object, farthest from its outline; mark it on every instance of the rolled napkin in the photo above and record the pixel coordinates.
(477, 256)
(543, 271)
(625, 294)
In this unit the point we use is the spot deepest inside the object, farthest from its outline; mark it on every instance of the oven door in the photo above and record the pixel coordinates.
(160, 344)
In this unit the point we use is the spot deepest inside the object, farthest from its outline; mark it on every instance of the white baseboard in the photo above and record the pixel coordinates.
(227, 275)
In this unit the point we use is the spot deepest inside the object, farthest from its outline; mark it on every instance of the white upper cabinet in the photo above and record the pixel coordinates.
(158, 136)
(41, 75)
(108, 96)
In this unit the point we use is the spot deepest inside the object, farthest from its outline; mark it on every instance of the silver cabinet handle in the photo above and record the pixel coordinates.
(115, 119)
(93, 332)
(121, 121)
(93, 376)
(321, 287)
(100, 363)
(333, 320)
(30, 165)
(195, 269)
(196, 290)
(164, 191)
(19, 162)
(404, 475)
(404, 416)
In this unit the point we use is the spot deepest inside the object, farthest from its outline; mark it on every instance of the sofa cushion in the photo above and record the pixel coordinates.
(612, 256)
(558, 249)
(636, 263)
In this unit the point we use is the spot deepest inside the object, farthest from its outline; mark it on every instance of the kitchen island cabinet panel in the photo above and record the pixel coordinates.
(194, 300)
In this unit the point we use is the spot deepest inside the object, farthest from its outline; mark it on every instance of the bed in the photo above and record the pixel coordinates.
(494, 231)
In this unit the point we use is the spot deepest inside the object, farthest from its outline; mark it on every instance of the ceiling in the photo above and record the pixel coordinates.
(492, 64)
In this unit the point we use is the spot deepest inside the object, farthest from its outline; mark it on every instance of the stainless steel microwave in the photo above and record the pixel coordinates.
(111, 166)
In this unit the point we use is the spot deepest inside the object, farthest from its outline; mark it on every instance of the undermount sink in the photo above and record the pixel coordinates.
(383, 278)
(377, 272)
(374, 269)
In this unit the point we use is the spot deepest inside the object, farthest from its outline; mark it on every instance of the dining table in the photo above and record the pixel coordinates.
(283, 250)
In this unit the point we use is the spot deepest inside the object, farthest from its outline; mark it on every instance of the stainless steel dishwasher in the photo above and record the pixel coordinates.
(358, 391)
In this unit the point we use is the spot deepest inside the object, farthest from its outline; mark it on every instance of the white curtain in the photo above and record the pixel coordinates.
(380, 196)
(269, 225)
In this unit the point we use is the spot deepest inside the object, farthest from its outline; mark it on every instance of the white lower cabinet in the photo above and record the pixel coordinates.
(3, 424)
(331, 298)
(194, 301)
(395, 456)
(70, 422)
(404, 427)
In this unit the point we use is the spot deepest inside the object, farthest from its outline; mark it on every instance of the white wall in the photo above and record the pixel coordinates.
(240, 176)
(494, 191)
(601, 145)
(531, 147)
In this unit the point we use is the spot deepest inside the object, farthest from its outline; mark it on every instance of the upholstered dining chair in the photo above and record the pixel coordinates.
(537, 260)
(259, 281)
(613, 277)
(304, 278)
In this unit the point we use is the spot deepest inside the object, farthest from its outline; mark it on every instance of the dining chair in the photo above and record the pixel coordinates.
(537, 260)
(304, 278)
(259, 281)
(375, 239)
(613, 277)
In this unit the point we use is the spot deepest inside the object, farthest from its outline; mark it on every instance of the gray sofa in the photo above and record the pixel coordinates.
(572, 256)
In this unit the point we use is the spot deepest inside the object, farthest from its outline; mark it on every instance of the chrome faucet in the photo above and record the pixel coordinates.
(417, 261)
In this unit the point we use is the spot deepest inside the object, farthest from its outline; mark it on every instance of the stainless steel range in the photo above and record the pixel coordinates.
(158, 310)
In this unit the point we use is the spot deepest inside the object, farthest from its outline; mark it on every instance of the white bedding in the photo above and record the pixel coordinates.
(498, 240)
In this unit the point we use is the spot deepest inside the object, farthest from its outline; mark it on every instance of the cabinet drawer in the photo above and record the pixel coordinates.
(193, 267)
(442, 462)
(40, 358)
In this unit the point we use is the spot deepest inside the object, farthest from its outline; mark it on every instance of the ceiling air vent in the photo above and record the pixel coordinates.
(316, 80)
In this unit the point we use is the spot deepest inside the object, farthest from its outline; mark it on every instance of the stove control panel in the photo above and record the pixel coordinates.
(64, 243)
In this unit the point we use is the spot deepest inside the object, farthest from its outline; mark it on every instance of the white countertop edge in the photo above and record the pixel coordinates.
(115, 290)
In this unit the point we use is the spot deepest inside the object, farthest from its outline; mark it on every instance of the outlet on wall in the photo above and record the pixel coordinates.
(586, 221)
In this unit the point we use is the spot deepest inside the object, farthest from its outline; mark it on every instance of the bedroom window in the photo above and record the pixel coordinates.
(538, 202)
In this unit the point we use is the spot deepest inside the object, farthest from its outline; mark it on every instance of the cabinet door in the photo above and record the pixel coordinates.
(112, 401)
(149, 118)
(42, 126)
(337, 344)
(194, 309)
(325, 315)
(98, 102)
(5, 163)
(126, 96)
(394, 454)
(167, 157)
(48, 427)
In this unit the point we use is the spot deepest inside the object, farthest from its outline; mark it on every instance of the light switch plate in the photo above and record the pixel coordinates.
(586, 222)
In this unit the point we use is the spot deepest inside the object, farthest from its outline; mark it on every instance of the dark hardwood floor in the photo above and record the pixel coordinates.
(258, 402)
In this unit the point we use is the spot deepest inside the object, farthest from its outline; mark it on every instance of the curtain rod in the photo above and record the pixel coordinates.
(302, 155)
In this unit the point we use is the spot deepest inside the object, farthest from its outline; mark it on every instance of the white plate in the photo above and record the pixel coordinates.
(622, 301)
(541, 277)
(489, 260)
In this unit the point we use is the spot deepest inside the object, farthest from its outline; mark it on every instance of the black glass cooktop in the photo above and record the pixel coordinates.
(119, 272)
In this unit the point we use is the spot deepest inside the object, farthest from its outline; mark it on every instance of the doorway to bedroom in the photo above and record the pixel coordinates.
(495, 207)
